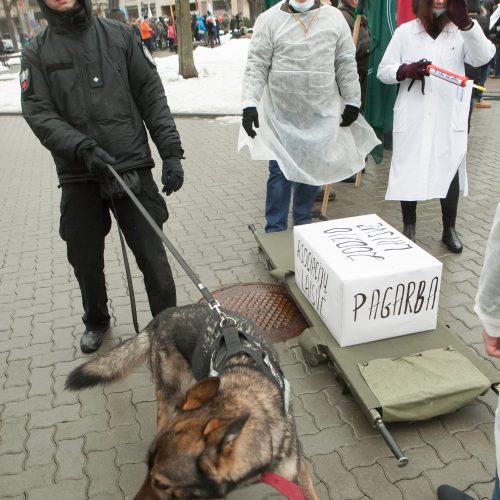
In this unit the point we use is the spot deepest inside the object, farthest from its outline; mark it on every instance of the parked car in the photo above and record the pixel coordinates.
(7, 44)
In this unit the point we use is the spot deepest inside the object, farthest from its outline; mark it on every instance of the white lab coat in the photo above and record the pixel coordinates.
(294, 77)
(430, 131)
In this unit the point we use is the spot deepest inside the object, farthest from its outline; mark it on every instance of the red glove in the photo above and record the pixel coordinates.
(458, 15)
(413, 71)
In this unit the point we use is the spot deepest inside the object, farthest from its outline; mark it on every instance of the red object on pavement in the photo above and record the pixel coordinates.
(404, 11)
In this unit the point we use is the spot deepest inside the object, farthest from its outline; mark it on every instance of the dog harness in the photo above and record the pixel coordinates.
(232, 342)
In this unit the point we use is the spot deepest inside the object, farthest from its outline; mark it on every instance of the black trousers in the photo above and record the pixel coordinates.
(448, 206)
(85, 222)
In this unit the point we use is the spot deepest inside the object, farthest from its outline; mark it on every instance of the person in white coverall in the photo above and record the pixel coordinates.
(487, 307)
(430, 117)
(301, 55)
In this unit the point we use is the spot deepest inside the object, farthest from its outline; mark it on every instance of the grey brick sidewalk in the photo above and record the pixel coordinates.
(60, 445)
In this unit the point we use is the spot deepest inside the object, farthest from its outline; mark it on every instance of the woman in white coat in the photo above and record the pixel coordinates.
(430, 116)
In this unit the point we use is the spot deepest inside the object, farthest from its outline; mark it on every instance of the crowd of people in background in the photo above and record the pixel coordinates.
(161, 33)
(156, 34)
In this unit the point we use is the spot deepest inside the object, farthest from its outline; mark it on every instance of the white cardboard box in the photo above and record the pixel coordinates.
(365, 279)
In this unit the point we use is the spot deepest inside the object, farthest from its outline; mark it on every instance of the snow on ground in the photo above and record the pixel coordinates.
(217, 89)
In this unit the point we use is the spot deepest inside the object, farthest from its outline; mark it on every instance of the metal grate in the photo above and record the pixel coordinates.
(268, 304)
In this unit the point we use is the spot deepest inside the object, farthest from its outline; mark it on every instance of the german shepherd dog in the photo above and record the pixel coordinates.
(222, 419)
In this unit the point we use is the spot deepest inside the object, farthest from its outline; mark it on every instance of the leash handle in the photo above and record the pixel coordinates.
(214, 304)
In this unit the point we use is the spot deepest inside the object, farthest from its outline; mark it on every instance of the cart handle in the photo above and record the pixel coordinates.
(378, 423)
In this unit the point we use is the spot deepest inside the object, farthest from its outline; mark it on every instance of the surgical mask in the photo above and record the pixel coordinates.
(301, 7)
(438, 12)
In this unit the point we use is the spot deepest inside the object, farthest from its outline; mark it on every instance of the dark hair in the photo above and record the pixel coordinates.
(423, 10)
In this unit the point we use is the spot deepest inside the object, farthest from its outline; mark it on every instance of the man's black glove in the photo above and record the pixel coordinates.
(96, 159)
(413, 71)
(458, 15)
(172, 175)
(350, 115)
(250, 118)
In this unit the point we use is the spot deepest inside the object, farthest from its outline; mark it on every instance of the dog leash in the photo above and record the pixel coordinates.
(290, 490)
(212, 302)
(130, 283)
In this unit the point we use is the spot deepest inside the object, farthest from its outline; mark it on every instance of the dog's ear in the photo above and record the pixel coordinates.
(200, 393)
(223, 431)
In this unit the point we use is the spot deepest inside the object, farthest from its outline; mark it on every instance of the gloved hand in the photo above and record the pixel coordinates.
(413, 71)
(96, 159)
(172, 175)
(458, 14)
(350, 115)
(250, 117)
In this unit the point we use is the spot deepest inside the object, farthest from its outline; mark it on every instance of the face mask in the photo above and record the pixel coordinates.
(438, 12)
(301, 7)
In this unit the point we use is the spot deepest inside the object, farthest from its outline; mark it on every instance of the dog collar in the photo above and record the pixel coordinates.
(290, 490)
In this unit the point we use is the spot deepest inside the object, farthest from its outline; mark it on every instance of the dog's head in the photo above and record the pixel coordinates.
(209, 446)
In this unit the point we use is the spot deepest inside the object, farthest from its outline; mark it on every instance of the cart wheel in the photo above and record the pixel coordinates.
(315, 214)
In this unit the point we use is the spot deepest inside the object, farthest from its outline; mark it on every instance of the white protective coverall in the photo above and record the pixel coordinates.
(430, 131)
(487, 305)
(293, 78)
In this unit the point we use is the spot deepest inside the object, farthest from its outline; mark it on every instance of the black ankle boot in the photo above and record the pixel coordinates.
(451, 240)
(409, 232)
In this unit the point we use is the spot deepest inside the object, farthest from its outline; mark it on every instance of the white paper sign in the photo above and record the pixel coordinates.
(365, 279)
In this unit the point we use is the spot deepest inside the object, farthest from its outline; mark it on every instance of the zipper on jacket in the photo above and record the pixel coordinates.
(87, 95)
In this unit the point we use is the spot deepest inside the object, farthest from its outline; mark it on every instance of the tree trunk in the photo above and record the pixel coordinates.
(7, 6)
(255, 9)
(187, 68)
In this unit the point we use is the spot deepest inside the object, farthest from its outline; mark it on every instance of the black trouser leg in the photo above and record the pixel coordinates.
(85, 221)
(450, 203)
(409, 211)
(147, 247)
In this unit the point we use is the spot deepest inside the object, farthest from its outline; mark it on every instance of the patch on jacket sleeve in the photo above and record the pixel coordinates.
(148, 55)
(25, 80)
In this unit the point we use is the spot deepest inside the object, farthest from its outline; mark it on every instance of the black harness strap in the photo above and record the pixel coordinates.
(232, 342)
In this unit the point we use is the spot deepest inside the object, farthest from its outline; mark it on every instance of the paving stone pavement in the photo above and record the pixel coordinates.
(60, 445)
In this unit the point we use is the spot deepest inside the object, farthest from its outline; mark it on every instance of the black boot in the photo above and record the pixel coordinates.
(409, 232)
(92, 339)
(451, 240)
(446, 492)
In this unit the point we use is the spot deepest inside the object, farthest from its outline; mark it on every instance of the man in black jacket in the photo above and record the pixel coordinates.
(88, 89)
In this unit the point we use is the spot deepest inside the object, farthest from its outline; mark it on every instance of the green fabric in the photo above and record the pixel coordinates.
(423, 385)
(267, 4)
(380, 98)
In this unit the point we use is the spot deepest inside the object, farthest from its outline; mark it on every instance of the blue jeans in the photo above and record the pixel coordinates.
(279, 193)
(482, 80)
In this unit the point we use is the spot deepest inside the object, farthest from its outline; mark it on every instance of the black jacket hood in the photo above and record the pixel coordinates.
(77, 19)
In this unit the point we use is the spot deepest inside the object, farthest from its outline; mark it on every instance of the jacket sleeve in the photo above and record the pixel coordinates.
(478, 49)
(149, 95)
(346, 69)
(487, 304)
(55, 133)
(260, 55)
(391, 61)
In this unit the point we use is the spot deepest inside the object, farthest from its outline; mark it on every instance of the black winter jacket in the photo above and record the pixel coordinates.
(88, 81)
